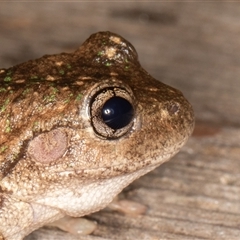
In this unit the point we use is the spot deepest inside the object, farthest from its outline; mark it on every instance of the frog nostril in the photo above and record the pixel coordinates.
(117, 112)
(172, 108)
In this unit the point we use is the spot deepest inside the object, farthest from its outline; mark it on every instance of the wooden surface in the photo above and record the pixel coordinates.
(192, 46)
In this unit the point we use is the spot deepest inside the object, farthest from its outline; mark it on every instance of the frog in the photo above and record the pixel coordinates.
(77, 128)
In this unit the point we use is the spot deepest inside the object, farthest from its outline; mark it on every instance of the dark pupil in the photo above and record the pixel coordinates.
(117, 112)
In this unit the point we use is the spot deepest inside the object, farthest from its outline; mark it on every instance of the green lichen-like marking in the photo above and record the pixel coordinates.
(3, 89)
(108, 64)
(39, 108)
(69, 66)
(26, 91)
(79, 97)
(7, 79)
(34, 77)
(35, 125)
(68, 99)
(51, 97)
(126, 64)
(3, 107)
(3, 149)
(61, 72)
(8, 127)
(55, 90)
(100, 53)
(15, 156)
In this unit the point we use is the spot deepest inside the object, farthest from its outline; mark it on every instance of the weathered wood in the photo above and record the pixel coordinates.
(192, 46)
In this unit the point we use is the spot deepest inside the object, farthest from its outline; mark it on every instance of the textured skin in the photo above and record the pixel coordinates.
(52, 160)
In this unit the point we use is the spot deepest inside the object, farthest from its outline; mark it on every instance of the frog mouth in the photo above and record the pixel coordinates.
(141, 167)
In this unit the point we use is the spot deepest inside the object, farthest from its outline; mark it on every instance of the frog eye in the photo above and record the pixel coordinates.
(112, 113)
(117, 112)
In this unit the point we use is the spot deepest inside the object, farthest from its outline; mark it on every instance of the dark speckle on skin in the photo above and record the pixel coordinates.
(172, 108)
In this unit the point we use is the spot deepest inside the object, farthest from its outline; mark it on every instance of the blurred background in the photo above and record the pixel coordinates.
(192, 46)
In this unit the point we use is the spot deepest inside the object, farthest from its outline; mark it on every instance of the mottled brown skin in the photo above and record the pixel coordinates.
(53, 161)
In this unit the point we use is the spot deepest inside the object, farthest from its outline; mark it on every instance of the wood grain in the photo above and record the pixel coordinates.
(192, 46)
